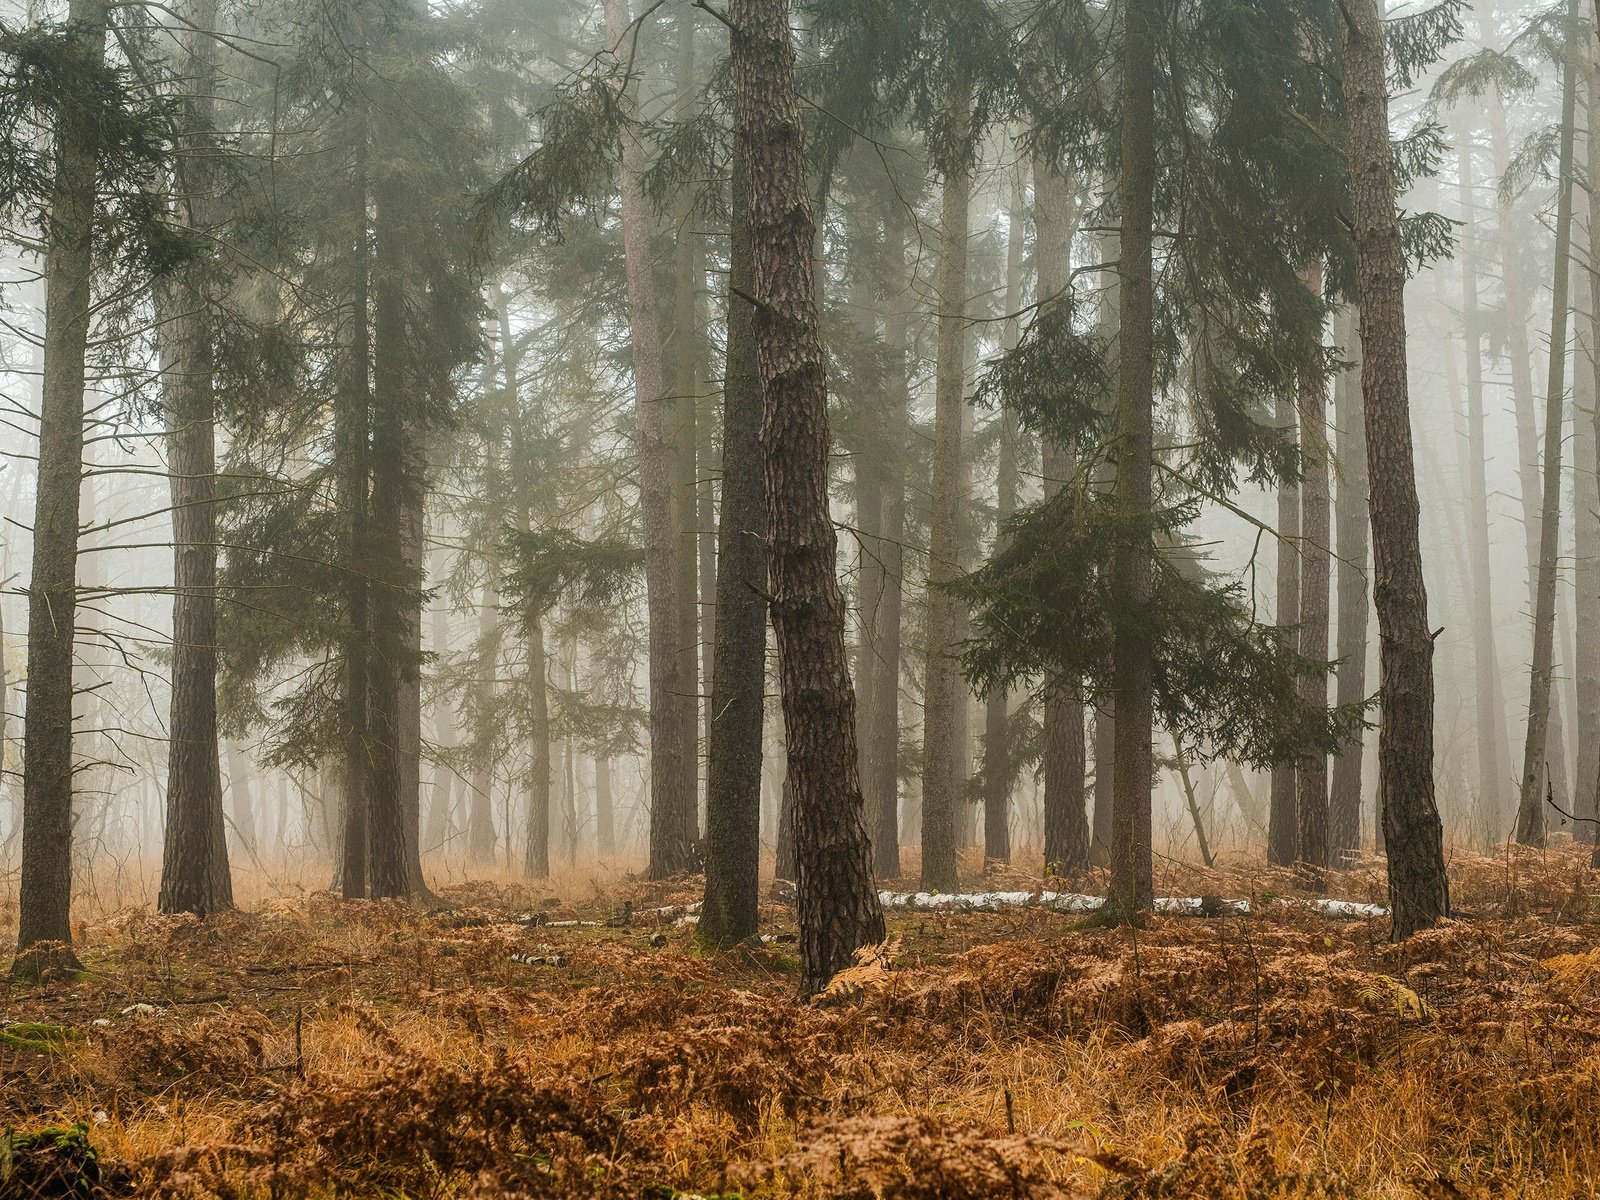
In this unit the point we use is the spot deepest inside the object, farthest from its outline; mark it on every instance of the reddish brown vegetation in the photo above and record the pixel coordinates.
(320, 1048)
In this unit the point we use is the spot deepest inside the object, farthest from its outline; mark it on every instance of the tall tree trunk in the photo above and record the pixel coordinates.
(1587, 796)
(441, 827)
(688, 277)
(1311, 772)
(536, 851)
(997, 764)
(604, 807)
(1282, 820)
(739, 666)
(1519, 356)
(352, 434)
(392, 489)
(1132, 887)
(46, 885)
(880, 754)
(838, 907)
(1419, 891)
(194, 856)
(1530, 808)
(1105, 777)
(1354, 597)
(674, 821)
(1066, 823)
(943, 691)
(1494, 759)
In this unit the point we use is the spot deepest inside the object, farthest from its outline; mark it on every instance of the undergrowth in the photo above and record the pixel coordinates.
(318, 1048)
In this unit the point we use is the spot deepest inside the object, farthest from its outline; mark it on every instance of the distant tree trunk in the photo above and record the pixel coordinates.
(674, 821)
(242, 800)
(1494, 762)
(194, 858)
(46, 886)
(1587, 796)
(536, 853)
(1354, 599)
(838, 906)
(441, 807)
(1282, 819)
(943, 691)
(739, 666)
(411, 679)
(1105, 776)
(604, 807)
(881, 751)
(1418, 886)
(1530, 809)
(352, 420)
(1311, 772)
(1132, 887)
(1515, 330)
(481, 836)
(997, 765)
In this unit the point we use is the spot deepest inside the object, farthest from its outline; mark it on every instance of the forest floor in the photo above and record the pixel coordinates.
(310, 1047)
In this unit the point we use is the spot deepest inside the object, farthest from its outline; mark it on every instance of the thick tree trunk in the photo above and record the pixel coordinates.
(1494, 758)
(943, 690)
(1530, 808)
(674, 821)
(739, 667)
(194, 856)
(1311, 772)
(1132, 887)
(838, 907)
(1418, 887)
(1354, 596)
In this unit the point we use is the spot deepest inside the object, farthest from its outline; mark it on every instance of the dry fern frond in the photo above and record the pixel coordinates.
(868, 974)
(1384, 991)
(1573, 973)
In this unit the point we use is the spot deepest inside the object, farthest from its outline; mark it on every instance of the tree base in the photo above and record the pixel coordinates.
(44, 962)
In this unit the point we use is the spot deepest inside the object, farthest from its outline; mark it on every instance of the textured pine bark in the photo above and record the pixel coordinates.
(943, 691)
(838, 906)
(1530, 809)
(738, 672)
(674, 819)
(1132, 888)
(194, 857)
(1354, 595)
(46, 885)
(1418, 887)
(1311, 771)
